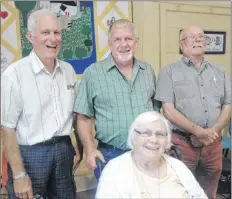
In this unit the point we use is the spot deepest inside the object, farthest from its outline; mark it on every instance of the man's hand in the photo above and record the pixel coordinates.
(204, 137)
(195, 141)
(76, 160)
(199, 142)
(23, 188)
(209, 133)
(91, 156)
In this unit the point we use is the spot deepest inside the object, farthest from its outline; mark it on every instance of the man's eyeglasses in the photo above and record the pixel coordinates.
(193, 37)
(147, 133)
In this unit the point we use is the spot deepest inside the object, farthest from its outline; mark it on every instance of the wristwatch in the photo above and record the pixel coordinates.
(20, 176)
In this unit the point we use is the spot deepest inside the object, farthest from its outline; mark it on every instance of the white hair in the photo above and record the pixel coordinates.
(32, 19)
(146, 118)
(122, 23)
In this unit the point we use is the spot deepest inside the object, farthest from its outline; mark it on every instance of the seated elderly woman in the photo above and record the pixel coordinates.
(146, 171)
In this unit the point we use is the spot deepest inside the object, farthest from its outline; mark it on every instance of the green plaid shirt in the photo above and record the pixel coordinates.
(113, 102)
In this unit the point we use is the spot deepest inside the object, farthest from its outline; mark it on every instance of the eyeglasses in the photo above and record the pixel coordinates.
(193, 37)
(147, 133)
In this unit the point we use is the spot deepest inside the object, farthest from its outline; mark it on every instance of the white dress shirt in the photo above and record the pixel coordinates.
(36, 103)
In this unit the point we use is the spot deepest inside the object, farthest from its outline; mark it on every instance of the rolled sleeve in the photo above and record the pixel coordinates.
(83, 102)
(164, 87)
(11, 105)
(227, 98)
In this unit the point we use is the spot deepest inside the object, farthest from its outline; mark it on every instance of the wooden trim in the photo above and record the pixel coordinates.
(146, 19)
(223, 4)
(138, 8)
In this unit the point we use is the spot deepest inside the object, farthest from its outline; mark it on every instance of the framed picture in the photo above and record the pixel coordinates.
(215, 42)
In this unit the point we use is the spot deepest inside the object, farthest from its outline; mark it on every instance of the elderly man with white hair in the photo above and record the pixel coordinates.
(37, 99)
(147, 171)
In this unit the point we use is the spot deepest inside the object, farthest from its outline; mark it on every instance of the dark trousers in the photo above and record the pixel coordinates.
(49, 166)
(204, 162)
(109, 152)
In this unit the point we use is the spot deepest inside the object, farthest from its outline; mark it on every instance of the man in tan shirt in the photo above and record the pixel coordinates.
(196, 98)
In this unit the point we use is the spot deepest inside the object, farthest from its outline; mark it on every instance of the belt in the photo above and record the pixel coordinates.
(181, 133)
(54, 140)
(108, 146)
(186, 136)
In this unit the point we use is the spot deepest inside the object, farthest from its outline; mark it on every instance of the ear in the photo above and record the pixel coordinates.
(137, 43)
(181, 45)
(29, 37)
(109, 43)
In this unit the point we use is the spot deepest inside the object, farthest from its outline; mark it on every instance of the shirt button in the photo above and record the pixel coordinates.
(201, 84)
(206, 111)
(203, 97)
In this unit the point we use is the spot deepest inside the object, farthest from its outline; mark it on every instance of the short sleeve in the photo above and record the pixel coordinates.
(164, 86)
(11, 104)
(84, 102)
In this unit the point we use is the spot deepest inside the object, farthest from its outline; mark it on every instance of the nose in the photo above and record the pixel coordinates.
(197, 38)
(124, 42)
(52, 36)
(153, 138)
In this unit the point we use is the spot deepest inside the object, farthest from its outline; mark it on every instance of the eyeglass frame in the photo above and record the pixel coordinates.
(193, 37)
(150, 133)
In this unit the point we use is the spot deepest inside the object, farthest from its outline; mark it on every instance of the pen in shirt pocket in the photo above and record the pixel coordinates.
(70, 86)
(215, 80)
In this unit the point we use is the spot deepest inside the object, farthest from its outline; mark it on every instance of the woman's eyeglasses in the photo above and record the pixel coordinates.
(147, 133)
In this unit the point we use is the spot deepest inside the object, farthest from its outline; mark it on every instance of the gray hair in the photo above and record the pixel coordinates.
(146, 118)
(181, 34)
(32, 19)
(185, 30)
(122, 23)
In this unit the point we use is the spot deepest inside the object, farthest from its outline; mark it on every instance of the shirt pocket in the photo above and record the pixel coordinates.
(183, 89)
(107, 97)
(217, 87)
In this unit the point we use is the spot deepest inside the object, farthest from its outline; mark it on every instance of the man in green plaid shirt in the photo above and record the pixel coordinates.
(113, 92)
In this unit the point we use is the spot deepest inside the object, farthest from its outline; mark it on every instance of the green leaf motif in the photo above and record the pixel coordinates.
(25, 7)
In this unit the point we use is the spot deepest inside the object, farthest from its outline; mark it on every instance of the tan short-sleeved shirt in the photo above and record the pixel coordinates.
(197, 94)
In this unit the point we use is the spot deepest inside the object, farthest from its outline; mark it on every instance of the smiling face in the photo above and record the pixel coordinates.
(193, 42)
(46, 37)
(151, 147)
(122, 44)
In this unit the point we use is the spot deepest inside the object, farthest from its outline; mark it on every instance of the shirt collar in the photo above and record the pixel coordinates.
(37, 65)
(188, 62)
(110, 63)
